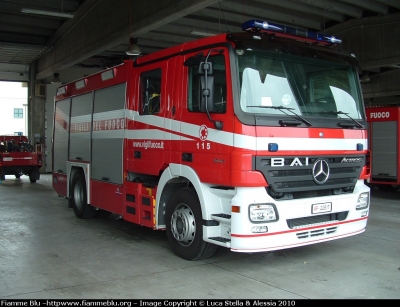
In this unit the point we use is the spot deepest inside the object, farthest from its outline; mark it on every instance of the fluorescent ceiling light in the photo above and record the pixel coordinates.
(48, 13)
(201, 33)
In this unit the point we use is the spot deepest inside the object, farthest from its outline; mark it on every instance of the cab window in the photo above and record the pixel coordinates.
(150, 85)
(219, 86)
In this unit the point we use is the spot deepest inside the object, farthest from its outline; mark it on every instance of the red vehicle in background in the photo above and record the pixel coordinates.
(18, 157)
(384, 136)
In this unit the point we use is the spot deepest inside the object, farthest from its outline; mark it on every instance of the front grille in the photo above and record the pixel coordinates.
(309, 194)
(316, 233)
(296, 185)
(314, 220)
(292, 177)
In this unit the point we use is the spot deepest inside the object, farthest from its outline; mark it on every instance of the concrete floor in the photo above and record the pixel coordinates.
(48, 253)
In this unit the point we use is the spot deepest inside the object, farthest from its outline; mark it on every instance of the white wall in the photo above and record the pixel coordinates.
(13, 95)
(51, 90)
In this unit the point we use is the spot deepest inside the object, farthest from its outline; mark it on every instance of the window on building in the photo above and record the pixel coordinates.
(18, 113)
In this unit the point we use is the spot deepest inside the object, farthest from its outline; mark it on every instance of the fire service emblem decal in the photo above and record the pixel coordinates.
(203, 133)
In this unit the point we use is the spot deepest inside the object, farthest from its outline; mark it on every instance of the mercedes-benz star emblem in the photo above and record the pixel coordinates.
(320, 171)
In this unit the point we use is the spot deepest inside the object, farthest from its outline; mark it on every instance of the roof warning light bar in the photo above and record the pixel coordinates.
(259, 26)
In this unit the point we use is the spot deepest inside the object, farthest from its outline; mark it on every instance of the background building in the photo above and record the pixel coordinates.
(13, 107)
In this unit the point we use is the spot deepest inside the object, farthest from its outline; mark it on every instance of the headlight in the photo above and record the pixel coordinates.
(262, 213)
(363, 201)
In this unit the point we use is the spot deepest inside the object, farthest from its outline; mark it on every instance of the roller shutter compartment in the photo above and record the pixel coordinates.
(61, 131)
(384, 150)
(108, 134)
(81, 117)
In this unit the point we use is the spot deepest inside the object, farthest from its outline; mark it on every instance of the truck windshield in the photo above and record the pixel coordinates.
(309, 87)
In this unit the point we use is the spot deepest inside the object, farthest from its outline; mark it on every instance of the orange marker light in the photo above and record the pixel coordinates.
(235, 209)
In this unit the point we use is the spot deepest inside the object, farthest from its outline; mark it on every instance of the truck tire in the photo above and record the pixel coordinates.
(34, 175)
(184, 226)
(78, 196)
(18, 175)
(32, 179)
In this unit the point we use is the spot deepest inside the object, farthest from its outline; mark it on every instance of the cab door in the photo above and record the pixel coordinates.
(205, 147)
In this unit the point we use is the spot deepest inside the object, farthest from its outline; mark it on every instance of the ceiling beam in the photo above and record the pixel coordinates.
(368, 39)
(335, 6)
(307, 9)
(28, 21)
(24, 30)
(369, 5)
(26, 38)
(108, 23)
(394, 3)
(381, 85)
(251, 10)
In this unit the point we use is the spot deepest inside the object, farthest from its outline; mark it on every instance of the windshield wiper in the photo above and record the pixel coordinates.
(345, 114)
(282, 108)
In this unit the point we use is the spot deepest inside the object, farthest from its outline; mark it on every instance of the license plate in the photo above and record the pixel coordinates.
(321, 208)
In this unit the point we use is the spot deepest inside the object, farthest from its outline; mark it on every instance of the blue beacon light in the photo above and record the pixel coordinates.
(272, 147)
(259, 26)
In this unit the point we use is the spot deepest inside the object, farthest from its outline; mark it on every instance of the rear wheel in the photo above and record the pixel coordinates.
(32, 178)
(184, 225)
(34, 175)
(18, 175)
(79, 197)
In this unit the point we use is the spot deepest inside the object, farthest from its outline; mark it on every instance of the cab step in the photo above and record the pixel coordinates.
(220, 239)
(221, 217)
(221, 235)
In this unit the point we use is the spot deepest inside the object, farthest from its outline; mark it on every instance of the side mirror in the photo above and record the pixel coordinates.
(206, 67)
(206, 86)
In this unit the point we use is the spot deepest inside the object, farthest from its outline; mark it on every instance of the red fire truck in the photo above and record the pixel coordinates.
(19, 157)
(254, 141)
(384, 132)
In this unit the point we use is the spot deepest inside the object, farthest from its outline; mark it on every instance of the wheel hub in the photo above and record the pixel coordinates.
(183, 225)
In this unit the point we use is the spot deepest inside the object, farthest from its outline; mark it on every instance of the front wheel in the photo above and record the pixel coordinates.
(184, 225)
(79, 197)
